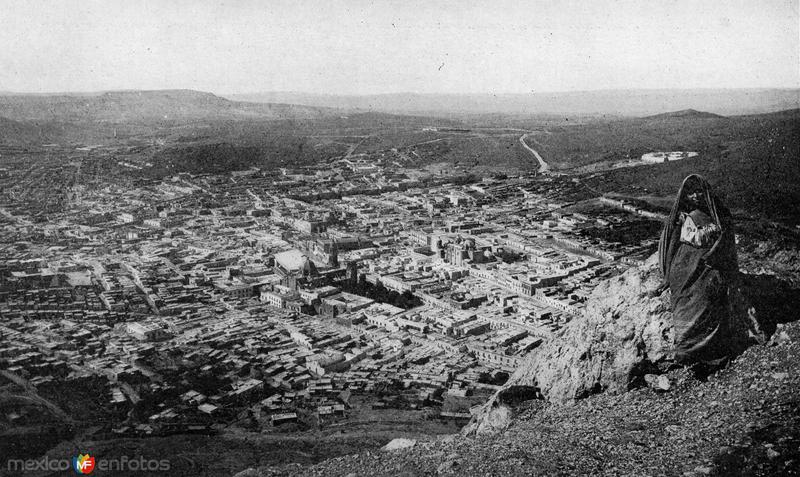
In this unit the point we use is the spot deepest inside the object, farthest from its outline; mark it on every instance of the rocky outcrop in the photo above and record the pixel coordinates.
(626, 331)
(626, 328)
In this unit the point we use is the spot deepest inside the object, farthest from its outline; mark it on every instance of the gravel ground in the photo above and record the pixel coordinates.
(743, 420)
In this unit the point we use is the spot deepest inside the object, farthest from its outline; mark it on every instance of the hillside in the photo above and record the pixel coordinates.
(743, 421)
(750, 160)
(132, 106)
(17, 133)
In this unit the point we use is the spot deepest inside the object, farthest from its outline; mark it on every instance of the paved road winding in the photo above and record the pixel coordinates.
(543, 166)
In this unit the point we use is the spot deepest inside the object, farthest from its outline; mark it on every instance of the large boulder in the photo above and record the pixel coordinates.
(625, 331)
(627, 327)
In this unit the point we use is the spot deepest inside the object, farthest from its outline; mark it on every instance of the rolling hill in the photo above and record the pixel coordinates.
(752, 161)
(685, 114)
(146, 106)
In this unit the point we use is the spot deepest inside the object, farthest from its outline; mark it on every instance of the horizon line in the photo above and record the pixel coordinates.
(334, 94)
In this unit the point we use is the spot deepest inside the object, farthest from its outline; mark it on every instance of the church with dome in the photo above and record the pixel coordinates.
(295, 268)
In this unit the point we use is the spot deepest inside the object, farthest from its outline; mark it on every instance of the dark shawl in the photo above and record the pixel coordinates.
(699, 279)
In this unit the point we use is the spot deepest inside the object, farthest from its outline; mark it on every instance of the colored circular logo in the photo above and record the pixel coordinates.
(83, 464)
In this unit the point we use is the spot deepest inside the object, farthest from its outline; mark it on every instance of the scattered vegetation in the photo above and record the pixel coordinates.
(381, 294)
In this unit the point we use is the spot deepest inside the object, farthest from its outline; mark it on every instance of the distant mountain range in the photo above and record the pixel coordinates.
(133, 106)
(181, 105)
(611, 102)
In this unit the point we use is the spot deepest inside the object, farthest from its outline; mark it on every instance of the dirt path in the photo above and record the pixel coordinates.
(543, 166)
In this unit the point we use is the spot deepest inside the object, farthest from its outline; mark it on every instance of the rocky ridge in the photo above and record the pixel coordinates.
(625, 332)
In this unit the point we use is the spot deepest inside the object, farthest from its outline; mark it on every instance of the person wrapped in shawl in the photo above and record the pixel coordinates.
(697, 255)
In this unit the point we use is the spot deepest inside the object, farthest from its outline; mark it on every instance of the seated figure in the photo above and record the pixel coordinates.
(697, 255)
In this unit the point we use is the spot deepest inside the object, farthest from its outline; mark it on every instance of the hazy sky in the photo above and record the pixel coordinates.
(357, 46)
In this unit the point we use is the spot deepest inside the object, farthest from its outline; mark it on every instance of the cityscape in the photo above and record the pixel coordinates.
(366, 238)
(294, 298)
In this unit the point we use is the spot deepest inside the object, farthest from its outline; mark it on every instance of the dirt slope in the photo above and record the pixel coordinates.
(745, 420)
